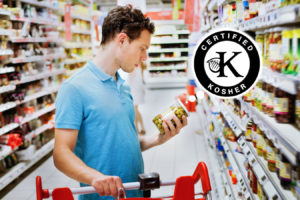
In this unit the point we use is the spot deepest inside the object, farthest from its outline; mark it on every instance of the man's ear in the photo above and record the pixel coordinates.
(122, 38)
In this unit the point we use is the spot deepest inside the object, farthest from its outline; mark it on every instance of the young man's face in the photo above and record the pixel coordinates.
(134, 52)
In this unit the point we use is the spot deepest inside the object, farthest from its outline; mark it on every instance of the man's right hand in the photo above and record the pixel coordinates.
(107, 185)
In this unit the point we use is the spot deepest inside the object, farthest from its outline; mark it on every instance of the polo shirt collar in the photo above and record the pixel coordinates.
(101, 75)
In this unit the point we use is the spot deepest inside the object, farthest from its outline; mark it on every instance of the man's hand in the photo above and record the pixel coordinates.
(107, 185)
(170, 129)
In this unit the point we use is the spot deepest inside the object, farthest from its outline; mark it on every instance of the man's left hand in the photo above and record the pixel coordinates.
(170, 129)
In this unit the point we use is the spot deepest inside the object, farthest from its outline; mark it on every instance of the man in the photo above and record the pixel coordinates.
(96, 141)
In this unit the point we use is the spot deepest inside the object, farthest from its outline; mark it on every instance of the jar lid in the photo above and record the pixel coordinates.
(184, 108)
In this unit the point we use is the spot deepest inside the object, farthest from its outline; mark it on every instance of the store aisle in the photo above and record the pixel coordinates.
(177, 157)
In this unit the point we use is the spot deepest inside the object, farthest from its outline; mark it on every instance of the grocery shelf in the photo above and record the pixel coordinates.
(6, 52)
(5, 32)
(235, 160)
(78, 31)
(166, 50)
(17, 170)
(38, 3)
(8, 127)
(165, 82)
(5, 151)
(271, 175)
(167, 59)
(36, 20)
(39, 130)
(84, 18)
(37, 95)
(4, 12)
(284, 136)
(7, 88)
(285, 82)
(37, 114)
(166, 68)
(7, 106)
(39, 76)
(75, 45)
(168, 41)
(7, 70)
(281, 16)
(42, 39)
(70, 61)
(37, 58)
(168, 32)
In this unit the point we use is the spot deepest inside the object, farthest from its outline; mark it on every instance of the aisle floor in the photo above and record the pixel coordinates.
(179, 156)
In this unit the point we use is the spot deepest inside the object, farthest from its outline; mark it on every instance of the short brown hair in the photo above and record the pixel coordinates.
(125, 19)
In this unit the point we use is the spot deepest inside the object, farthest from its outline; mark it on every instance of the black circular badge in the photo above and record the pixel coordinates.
(227, 63)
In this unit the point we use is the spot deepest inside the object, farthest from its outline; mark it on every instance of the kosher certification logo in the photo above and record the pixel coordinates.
(227, 63)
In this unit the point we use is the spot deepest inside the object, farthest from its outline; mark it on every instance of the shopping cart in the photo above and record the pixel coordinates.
(184, 187)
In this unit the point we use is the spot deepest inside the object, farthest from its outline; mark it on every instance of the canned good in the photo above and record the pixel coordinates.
(177, 108)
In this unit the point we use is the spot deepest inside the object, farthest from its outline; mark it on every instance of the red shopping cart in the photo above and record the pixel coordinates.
(184, 187)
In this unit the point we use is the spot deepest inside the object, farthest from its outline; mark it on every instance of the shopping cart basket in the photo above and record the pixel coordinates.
(184, 187)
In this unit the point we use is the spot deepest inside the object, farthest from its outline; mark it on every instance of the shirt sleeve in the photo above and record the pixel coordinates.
(69, 108)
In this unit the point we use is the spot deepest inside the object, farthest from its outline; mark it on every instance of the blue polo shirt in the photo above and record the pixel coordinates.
(102, 110)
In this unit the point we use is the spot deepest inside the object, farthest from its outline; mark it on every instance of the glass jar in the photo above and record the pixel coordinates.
(297, 112)
(278, 162)
(254, 135)
(264, 97)
(259, 142)
(270, 97)
(284, 106)
(177, 109)
(265, 146)
(249, 131)
(285, 173)
(295, 179)
(258, 96)
(287, 51)
(296, 52)
(271, 157)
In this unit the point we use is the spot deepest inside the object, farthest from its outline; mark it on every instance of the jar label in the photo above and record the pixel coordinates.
(285, 170)
(281, 105)
(271, 157)
(298, 107)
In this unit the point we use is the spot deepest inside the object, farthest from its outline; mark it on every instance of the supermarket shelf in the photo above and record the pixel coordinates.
(6, 52)
(166, 68)
(39, 130)
(287, 82)
(271, 175)
(37, 95)
(168, 59)
(25, 40)
(47, 91)
(5, 151)
(4, 12)
(284, 136)
(37, 58)
(85, 32)
(177, 32)
(36, 20)
(8, 128)
(7, 70)
(85, 18)
(38, 113)
(165, 50)
(7, 106)
(280, 16)
(39, 76)
(7, 88)
(75, 45)
(5, 32)
(71, 61)
(23, 166)
(38, 3)
(235, 160)
(168, 41)
(165, 82)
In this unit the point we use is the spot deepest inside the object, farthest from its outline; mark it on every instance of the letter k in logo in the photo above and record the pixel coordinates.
(222, 64)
